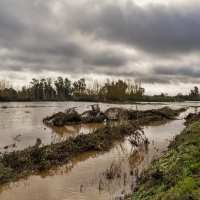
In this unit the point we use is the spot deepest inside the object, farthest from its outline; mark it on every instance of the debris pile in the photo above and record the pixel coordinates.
(117, 114)
(192, 117)
(61, 118)
(95, 115)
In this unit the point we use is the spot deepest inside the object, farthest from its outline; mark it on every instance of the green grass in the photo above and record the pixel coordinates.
(179, 168)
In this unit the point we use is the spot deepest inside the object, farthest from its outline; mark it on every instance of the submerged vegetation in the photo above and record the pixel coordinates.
(22, 163)
(175, 175)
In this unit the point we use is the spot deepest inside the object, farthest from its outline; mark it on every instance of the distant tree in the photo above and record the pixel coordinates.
(114, 90)
(138, 91)
(179, 94)
(50, 91)
(42, 89)
(120, 87)
(162, 94)
(35, 89)
(24, 94)
(67, 88)
(194, 93)
(96, 90)
(79, 87)
(5, 83)
(59, 84)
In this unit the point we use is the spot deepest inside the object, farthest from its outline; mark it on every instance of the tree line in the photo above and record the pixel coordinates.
(63, 89)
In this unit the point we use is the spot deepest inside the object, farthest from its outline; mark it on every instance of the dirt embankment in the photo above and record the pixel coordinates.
(175, 175)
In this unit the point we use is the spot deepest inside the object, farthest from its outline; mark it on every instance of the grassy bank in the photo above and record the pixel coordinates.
(176, 175)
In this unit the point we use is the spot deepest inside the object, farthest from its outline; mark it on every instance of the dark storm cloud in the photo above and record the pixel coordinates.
(177, 71)
(155, 79)
(154, 29)
(93, 37)
(106, 58)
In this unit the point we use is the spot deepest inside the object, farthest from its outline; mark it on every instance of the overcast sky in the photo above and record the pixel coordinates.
(157, 43)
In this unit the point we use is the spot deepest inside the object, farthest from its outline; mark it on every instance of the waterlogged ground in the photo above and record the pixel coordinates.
(84, 177)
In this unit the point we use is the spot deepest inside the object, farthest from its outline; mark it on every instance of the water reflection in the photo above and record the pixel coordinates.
(137, 157)
(68, 131)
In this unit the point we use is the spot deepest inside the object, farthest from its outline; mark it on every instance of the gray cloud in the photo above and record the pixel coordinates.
(108, 38)
(178, 71)
(155, 79)
(155, 29)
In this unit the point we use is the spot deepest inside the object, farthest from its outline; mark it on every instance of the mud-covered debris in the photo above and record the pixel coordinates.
(38, 142)
(133, 114)
(95, 108)
(116, 113)
(71, 116)
(17, 138)
(10, 146)
(61, 118)
(95, 115)
(192, 117)
(91, 117)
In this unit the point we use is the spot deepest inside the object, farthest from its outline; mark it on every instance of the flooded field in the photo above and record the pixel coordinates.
(86, 176)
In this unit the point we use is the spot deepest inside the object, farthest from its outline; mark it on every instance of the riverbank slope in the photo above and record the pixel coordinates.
(175, 175)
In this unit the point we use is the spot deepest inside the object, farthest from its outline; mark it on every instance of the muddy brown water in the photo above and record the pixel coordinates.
(84, 177)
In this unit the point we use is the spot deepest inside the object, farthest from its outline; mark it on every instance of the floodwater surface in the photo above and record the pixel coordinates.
(85, 176)
(21, 122)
